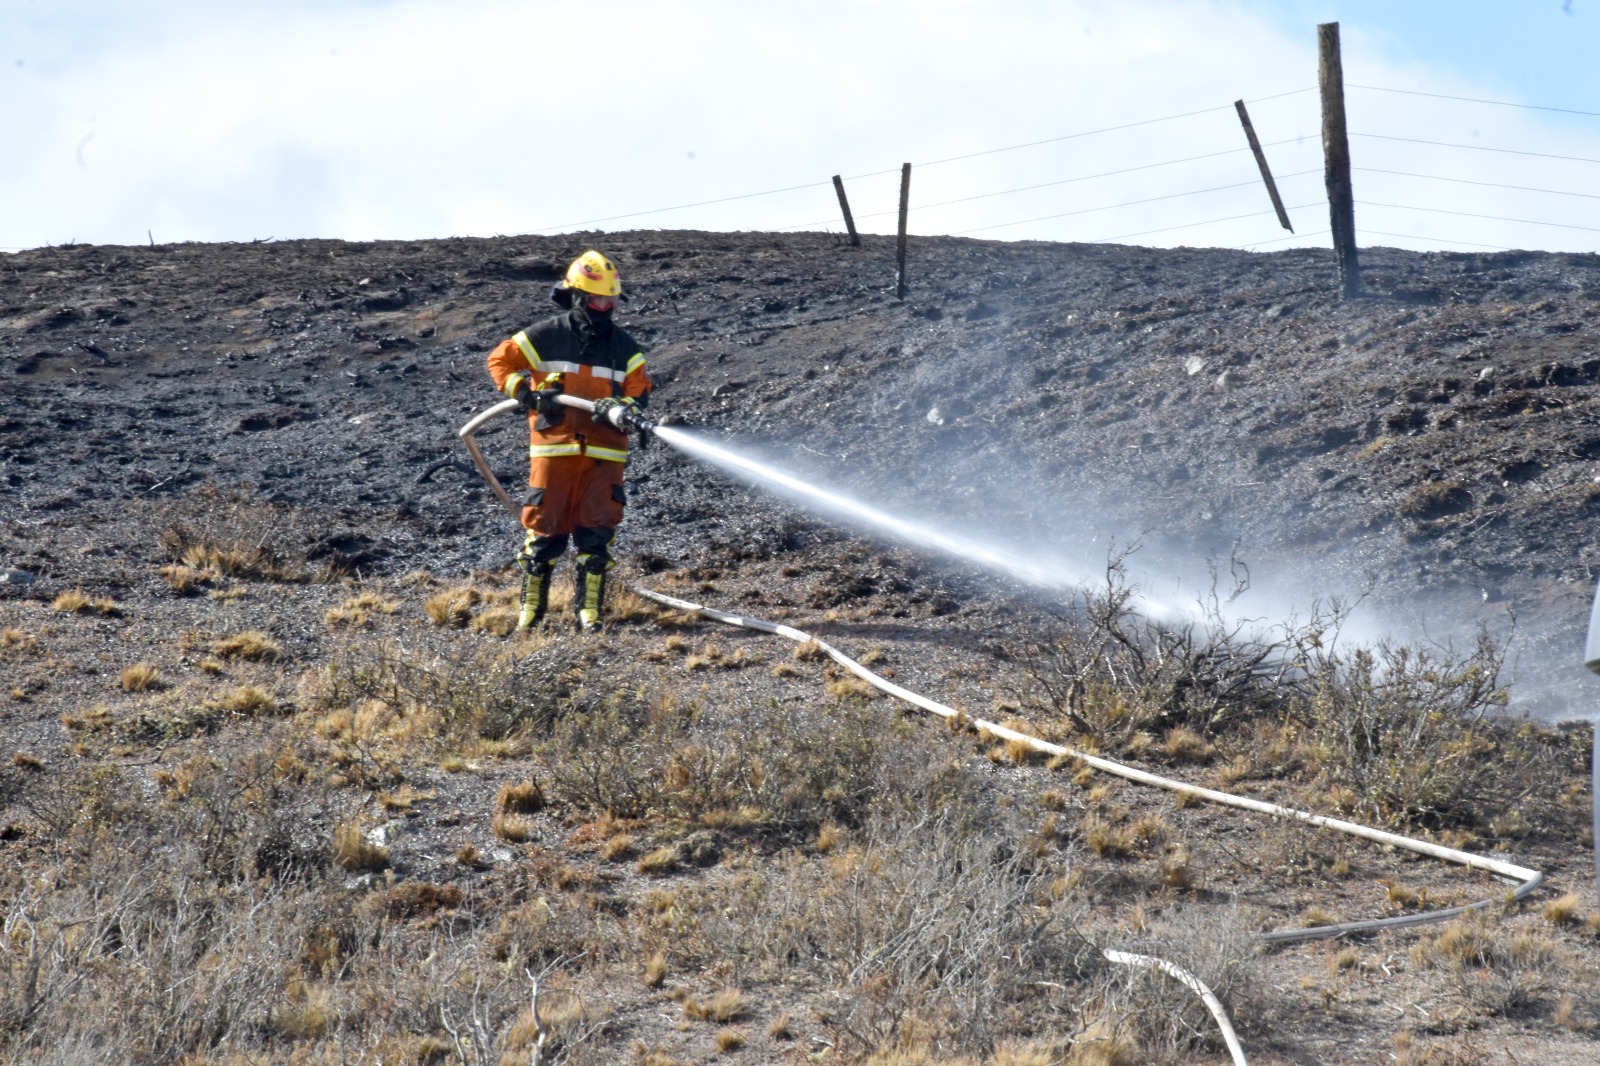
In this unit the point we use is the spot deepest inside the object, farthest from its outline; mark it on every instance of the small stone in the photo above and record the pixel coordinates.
(1227, 379)
(1193, 365)
(16, 577)
(935, 416)
(1486, 373)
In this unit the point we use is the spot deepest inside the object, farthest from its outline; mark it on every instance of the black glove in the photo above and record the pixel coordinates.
(545, 402)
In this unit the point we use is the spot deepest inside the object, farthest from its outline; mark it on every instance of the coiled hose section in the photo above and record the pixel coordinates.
(1527, 880)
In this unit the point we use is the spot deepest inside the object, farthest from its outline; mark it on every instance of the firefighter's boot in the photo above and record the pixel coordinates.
(591, 594)
(535, 592)
(537, 559)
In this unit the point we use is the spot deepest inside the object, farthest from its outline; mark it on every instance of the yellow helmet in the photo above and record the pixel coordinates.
(594, 273)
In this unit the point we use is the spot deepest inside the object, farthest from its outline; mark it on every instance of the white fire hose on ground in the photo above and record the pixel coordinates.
(1526, 880)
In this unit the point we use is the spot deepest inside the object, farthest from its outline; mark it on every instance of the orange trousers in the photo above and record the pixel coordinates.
(566, 492)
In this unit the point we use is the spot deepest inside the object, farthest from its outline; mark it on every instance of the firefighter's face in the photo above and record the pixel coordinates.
(599, 303)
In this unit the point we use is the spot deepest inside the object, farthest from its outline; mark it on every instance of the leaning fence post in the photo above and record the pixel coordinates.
(900, 245)
(844, 205)
(1261, 161)
(1336, 158)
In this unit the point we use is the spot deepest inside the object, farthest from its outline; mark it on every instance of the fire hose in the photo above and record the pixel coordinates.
(1526, 880)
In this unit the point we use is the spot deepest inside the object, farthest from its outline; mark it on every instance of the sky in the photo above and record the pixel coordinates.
(1063, 120)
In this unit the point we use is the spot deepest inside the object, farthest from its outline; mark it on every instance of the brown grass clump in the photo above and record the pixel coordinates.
(233, 533)
(512, 828)
(520, 797)
(452, 607)
(655, 970)
(729, 1005)
(251, 645)
(77, 601)
(26, 761)
(617, 849)
(659, 862)
(1184, 745)
(849, 687)
(357, 611)
(1565, 911)
(729, 1040)
(496, 621)
(809, 652)
(781, 1027)
(248, 700)
(353, 852)
(141, 677)
(187, 580)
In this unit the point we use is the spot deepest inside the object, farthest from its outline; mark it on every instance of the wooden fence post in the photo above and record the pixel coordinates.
(1261, 161)
(844, 205)
(900, 245)
(1336, 158)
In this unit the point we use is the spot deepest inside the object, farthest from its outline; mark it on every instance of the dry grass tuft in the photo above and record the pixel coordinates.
(77, 601)
(659, 862)
(251, 645)
(26, 761)
(1184, 745)
(248, 700)
(141, 677)
(729, 1040)
(357, 611)
(849, 687)
(1563, 912)
(512, 828)
(520, 797)
(809, 652)
(729, 1005)
(496, 621)
(353, 852)
(187, 580)
(655, 970)
(452, 607)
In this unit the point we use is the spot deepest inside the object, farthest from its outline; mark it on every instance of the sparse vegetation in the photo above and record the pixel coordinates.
(251, 645)
(141, 677)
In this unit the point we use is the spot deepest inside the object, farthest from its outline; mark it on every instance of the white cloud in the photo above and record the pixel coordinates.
(417, 119)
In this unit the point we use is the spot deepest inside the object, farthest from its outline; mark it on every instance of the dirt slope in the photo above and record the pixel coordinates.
(1435, 441)
(711, 798)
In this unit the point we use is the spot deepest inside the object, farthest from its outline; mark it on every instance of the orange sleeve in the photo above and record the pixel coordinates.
(637, 383)
(509, 367)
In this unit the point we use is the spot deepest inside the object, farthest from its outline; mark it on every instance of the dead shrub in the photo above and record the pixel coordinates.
(451, 688)
(1162, 1016)
(233, 533)
(909, 921)
(1113, 673)
(1494, 969)
(1418, 735)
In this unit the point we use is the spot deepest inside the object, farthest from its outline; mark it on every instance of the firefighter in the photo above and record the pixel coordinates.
(575, 460)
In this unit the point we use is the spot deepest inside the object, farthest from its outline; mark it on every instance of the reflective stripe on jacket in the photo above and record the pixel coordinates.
(590, 367)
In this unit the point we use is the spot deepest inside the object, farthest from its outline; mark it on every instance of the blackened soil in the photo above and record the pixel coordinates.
(1435, 440)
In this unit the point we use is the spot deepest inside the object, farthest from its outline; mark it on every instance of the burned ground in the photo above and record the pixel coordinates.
(211, 442)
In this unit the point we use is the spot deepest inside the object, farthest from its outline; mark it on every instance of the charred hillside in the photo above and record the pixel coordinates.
(1437, 436)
